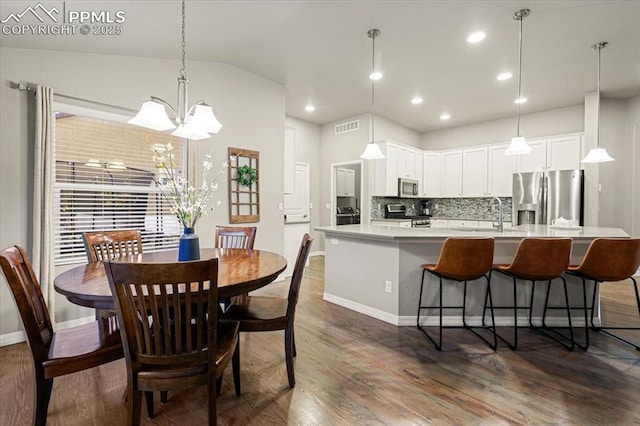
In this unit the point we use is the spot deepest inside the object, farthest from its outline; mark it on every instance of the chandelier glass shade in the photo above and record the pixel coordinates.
(519, 145)
(196, 122)
(372, 150)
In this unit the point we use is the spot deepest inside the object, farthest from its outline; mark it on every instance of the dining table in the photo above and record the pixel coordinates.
(239, 271)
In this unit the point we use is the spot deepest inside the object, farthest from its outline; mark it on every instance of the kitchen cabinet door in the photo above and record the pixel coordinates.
(345, 182)
(289, 160)
(432, 174)
(474, 172)
(563, 153)
(452, 173)
(500, 172)
(536, 160)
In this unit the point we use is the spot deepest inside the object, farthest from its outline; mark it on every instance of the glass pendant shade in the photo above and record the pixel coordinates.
(518, 146)
(597, 155)
(152, 115)
(372, 152)
(205, 119)
(191, 131)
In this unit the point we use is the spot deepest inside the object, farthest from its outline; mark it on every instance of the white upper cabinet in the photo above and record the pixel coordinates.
(345, 182)
(432, 174)
(400, 162)
(557, 153)
(452, 173)
(500, 172)
(474, 172)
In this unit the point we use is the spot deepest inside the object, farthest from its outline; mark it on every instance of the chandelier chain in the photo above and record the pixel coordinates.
(183, 70)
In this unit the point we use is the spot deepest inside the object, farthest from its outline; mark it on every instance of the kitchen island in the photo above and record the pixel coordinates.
(376, 270)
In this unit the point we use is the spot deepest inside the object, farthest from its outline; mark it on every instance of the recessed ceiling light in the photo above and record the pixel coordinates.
(504, 76)
(520, 100)
(417, 100)
(309, 108)
(445, 116)
(375, 75)
(476, 37)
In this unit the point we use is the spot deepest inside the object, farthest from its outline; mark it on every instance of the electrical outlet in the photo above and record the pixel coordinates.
(334, 241)
(387, 286)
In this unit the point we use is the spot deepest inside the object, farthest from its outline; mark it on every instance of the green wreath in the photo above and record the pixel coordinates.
(247, 175)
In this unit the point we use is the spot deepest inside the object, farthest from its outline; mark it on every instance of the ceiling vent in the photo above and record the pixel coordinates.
(349, 126)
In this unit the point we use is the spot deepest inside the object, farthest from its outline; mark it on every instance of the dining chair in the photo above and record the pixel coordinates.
(461, 260)
(170, 330)
(107, 245)
(241, 237)
(608, 260)
(263, 313)
(537, 259)
(55, 353)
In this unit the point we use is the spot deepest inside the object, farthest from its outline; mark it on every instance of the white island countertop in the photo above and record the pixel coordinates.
(382, 232)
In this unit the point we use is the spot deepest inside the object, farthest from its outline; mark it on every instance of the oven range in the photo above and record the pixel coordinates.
(399, 211)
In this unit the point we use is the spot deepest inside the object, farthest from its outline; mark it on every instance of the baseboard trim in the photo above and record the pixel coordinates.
(316, 253)
(363, 309)
(19, 336)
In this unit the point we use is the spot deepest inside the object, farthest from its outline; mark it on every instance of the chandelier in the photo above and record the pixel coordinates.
(196, 122)
(372, 150)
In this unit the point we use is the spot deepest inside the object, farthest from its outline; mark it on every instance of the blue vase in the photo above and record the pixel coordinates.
(189, 248)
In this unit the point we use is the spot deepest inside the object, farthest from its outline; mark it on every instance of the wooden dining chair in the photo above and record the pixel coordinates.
(262, 313)
(55, 353)
(241, 237)
(107, 245)
(170, 331)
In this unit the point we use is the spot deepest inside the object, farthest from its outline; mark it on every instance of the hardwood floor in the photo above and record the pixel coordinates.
(353, 370)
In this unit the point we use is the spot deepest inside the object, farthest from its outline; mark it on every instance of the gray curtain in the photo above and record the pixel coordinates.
(44, 175)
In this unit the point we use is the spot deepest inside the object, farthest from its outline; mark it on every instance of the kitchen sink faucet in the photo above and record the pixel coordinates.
(500, 226)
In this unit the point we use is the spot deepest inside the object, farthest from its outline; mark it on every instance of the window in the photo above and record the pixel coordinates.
(105, 180)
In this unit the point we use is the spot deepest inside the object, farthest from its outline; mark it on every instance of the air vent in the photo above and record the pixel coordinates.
(349, 126)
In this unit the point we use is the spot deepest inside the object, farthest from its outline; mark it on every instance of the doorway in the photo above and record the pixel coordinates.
(346, 192)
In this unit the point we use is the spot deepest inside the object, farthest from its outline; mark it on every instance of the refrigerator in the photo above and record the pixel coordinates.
(541, 197)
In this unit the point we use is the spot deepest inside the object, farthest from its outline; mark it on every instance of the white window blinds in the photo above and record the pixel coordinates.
(105, 180)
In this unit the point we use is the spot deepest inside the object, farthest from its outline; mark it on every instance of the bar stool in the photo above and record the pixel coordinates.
(537, 259)
(606, 260)
(462, 260)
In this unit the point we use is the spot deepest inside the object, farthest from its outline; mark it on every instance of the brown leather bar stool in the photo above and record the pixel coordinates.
(606, 260)
(462, 260)
(537, 259)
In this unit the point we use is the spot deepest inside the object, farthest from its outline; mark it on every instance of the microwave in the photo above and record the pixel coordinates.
(408, 188)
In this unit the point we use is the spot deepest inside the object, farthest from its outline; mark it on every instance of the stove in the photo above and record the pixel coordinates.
(346, 215)
(399, 211)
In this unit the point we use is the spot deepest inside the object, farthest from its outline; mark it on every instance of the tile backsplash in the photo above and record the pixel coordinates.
(449, 208)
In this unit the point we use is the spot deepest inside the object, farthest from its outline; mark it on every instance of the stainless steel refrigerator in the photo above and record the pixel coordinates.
(541, 197)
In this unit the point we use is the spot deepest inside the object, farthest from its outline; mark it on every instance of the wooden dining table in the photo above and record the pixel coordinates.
(239, 271)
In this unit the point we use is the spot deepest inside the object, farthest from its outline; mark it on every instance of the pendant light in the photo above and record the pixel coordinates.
(518, 145)
(597, 154)
(193, 123)
(372, 151)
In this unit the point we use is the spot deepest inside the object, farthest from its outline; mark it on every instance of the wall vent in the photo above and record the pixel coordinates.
(349, 126)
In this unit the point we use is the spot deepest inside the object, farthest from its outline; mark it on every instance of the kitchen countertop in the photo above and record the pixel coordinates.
(381, 232)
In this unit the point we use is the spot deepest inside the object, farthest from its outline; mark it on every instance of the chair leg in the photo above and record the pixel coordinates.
(235, 363)
(148, 397)
(566, 300)
(420, 300)
(546, 328)
(515, 316)
(43, 395)
(437, 345)
(219, 386)
(602, 329)
(586, 322)
(493, 319)
(293, 340)
(134, 406)
(212, 385)
(164, 396)
(288, 353)
(533, 290)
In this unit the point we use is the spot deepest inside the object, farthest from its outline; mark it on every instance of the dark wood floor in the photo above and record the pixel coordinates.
(354, 370)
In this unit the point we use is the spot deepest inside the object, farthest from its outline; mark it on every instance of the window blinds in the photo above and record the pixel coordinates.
(105, 180)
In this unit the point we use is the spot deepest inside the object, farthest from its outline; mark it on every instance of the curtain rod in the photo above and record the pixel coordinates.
(30, 87)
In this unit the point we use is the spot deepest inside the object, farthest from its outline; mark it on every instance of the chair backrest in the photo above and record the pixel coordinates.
(241, 237)
(465, 259)
(28, 296)
(167, 311)
(541, 258)
(107, 245)
(296, 278)
(611, 259)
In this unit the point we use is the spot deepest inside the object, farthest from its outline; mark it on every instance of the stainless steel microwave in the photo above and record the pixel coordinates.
(408, 188)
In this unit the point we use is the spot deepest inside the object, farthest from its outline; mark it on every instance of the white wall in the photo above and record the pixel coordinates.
(552, 122)
(633, 121)
(250, 108)
(308, 151)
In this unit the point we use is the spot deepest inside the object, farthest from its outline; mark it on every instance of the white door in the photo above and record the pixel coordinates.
(296, 211)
